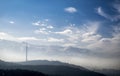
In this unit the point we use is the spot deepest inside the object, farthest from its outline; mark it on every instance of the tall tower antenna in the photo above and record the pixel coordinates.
(26, 51)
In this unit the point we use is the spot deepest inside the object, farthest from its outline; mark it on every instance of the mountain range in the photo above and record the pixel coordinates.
(51, 68)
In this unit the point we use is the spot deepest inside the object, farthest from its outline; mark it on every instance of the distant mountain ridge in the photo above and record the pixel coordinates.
(3, 63)
(56, 69)
(42, 62)
(19, 72)
(108, 72)
(47, 62)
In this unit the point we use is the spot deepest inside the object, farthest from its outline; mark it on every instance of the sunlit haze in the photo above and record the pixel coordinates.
(80, 32)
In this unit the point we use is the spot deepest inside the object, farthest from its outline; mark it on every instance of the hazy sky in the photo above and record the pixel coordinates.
(82, 32)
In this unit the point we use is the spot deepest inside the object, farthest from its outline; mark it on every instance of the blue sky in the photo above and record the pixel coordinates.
(24, 12)
(90, 29)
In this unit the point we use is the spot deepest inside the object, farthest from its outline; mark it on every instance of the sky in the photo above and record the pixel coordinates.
(81, 32)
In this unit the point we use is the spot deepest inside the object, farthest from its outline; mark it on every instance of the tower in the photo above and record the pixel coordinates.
(26, 49)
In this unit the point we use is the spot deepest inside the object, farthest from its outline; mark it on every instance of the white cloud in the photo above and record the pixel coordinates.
(115, 17)
(55, 40)
(102, 13)
(43, 27)
(50, 27)
(46, 20)
(70, 9)
(65, 32)
(41, 31)
(6, 36)
(11, 22)
(36, 23)
(39, 23)
(27, 38)
(80, 36)
(108, 46)
(86, 33)
(117, 6)
(90, 37)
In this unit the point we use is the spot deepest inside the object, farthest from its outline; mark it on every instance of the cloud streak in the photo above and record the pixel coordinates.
(70, 9)
(6, 36)
(115, 17)
(102, 13)
(55, 40)
(11, 22)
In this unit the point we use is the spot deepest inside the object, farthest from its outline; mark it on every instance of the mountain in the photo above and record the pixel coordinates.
(20, 73)
(42, 62)
(61, 69)
(46, 62)
(109, 72)
(3, 63)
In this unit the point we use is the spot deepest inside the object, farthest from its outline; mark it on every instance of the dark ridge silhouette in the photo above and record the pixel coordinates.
(52, 70)
(109, 72)
(47, 62)
(20, 73)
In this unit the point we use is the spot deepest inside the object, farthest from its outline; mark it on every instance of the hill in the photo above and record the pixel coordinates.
(109, 72)
(54, 70)
(47, 62)
(20, 73)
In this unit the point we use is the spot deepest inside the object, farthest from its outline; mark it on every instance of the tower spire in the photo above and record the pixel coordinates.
(26, 51)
